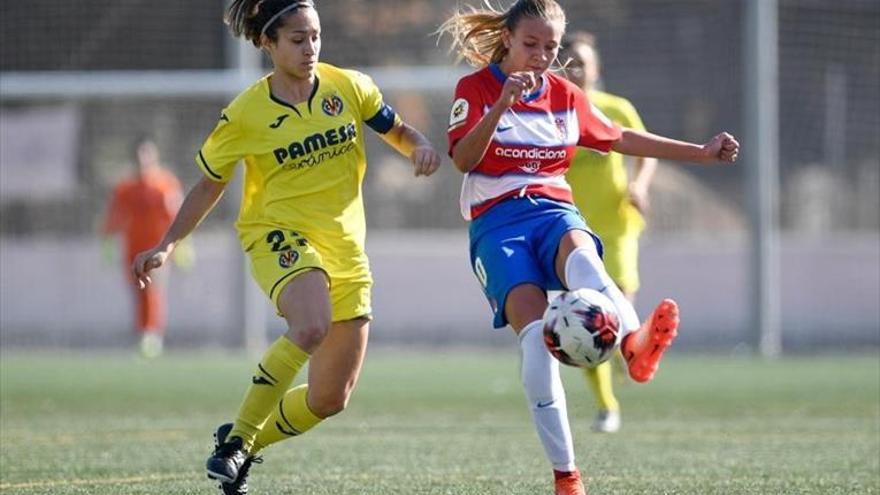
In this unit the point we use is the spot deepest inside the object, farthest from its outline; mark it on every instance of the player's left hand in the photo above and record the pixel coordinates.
(723, 147)
(425, 160)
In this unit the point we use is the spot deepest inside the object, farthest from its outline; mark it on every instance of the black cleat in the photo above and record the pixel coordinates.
(227, 460)
(239, 485)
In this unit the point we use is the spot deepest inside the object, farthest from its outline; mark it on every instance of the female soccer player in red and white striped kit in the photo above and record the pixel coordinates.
(513, 130)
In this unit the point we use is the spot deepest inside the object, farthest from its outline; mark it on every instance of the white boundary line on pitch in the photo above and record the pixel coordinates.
(97, 481)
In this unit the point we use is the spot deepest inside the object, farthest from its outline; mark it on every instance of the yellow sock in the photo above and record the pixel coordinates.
(272, 378)
(290, 418)
(599, 379)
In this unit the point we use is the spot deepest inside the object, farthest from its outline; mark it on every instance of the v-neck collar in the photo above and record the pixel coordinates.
(293, 107)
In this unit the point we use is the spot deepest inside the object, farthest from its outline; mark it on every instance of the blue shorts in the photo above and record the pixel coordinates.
(516, 242)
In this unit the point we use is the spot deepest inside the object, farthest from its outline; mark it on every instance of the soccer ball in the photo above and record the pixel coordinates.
(581, 328)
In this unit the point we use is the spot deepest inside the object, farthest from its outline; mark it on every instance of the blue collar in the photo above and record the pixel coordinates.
(501, 77)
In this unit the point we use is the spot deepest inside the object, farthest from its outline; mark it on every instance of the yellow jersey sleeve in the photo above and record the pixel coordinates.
(628, 115)
(377, 114)
(222, 150)
(599, 182)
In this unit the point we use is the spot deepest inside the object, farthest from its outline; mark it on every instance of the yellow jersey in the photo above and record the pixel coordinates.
(304, 163)
(599, 182)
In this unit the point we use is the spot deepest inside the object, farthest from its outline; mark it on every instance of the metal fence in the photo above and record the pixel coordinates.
(680, 61)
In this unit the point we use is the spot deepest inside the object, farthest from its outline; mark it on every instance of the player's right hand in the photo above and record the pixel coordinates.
(425, 160)
(723, 147)
(145, 262)
(515, 86)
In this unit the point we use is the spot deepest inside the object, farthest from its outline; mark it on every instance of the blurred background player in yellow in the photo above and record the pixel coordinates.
(612, 204)
(299, 131)
(141, 208)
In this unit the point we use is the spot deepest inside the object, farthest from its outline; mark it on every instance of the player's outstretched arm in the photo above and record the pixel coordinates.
(412, 144)
(723, 147)
(198, 202)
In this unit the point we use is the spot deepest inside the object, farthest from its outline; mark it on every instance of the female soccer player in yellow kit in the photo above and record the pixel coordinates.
(299, 131)
(612, 205)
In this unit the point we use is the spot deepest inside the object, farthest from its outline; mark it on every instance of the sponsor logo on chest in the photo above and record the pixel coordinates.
(315, 147)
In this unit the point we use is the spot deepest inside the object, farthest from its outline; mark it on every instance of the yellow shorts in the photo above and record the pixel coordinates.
(621, 259)
(286, 254)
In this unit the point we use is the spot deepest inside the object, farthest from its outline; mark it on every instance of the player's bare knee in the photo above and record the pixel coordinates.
(330, 404)
(308, 335)
(304, 302)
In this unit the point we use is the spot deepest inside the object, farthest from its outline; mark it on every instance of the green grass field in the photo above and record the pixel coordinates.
(444, 423)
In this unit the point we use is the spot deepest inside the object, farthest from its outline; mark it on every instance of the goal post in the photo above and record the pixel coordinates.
(761, 154)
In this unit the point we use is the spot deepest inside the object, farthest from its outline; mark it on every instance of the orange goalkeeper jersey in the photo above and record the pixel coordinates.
(142, 208)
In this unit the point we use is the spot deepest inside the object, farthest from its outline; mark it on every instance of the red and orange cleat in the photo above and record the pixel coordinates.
(569, 483)
(644, 348)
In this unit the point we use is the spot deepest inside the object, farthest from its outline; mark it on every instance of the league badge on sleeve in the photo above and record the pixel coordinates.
(458, 114)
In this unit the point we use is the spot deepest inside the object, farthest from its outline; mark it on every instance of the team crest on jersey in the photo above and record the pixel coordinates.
(287, 258)
(459, 112)
(331, 105)
(530, 167)
(561, 128)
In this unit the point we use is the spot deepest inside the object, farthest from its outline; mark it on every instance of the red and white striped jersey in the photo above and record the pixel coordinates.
(534, 142)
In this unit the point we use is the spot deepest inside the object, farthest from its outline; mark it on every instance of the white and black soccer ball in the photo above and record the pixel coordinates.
(582, 328)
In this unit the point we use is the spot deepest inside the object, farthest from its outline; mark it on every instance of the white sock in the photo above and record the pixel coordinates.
(540, 377)
(584, 270)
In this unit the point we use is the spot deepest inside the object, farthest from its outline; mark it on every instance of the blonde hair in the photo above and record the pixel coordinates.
(476, 33)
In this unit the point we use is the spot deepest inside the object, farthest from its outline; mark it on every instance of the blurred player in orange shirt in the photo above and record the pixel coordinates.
(141, 210)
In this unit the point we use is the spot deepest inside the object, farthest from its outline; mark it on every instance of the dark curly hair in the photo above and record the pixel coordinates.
(251, 19)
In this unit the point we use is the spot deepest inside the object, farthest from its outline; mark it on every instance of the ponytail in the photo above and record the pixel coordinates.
(476, 34)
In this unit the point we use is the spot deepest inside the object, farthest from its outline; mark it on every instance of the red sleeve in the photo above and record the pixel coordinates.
(467, 110)
(597, 131)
